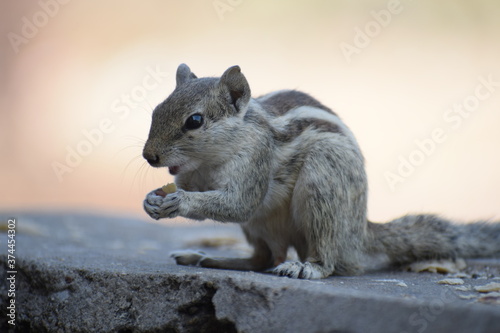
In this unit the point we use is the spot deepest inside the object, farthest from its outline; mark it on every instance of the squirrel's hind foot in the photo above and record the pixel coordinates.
(301, 270)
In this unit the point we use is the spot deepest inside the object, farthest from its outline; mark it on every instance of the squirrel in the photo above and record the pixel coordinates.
(291, 174)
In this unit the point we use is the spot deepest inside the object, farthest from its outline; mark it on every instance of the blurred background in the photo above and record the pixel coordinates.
(81, 78)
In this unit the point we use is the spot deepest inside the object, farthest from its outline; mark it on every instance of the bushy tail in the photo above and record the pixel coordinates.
(422, 237)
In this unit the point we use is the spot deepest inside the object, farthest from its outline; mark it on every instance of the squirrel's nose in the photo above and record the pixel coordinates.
(153, 159)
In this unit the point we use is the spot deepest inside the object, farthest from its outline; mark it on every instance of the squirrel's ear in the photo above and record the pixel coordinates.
(236, 86)
(184, 74)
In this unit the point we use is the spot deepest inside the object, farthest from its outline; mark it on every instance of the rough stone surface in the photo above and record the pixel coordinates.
(94, 273)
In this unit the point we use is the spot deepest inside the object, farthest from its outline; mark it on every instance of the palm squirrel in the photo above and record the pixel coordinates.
(290, 172)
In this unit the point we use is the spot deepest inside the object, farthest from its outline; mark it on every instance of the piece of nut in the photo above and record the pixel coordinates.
(169, 188)
(166, 189)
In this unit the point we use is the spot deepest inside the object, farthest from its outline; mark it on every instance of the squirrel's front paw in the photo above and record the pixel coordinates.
(159, 207)
(188, 257)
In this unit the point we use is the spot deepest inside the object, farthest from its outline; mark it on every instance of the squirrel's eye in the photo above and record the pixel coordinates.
(194, 121)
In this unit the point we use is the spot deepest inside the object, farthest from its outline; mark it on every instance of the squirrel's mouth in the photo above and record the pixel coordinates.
(173, 170)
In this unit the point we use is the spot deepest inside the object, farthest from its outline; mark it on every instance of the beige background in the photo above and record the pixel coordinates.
(70, 73)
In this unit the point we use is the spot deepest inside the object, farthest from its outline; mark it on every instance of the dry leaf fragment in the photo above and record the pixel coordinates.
(438, 266)
(490, 298)
(469, 296)
(493, 286)
(451, 281)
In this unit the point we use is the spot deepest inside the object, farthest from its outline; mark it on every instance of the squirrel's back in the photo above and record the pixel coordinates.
(280, 102)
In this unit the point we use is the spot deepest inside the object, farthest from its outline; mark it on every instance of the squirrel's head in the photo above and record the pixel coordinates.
(197, 122)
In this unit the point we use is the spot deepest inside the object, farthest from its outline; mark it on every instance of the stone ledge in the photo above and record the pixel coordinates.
(92, 273)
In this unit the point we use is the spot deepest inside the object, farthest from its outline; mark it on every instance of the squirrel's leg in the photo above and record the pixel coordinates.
(329, 208)
(261, 259)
